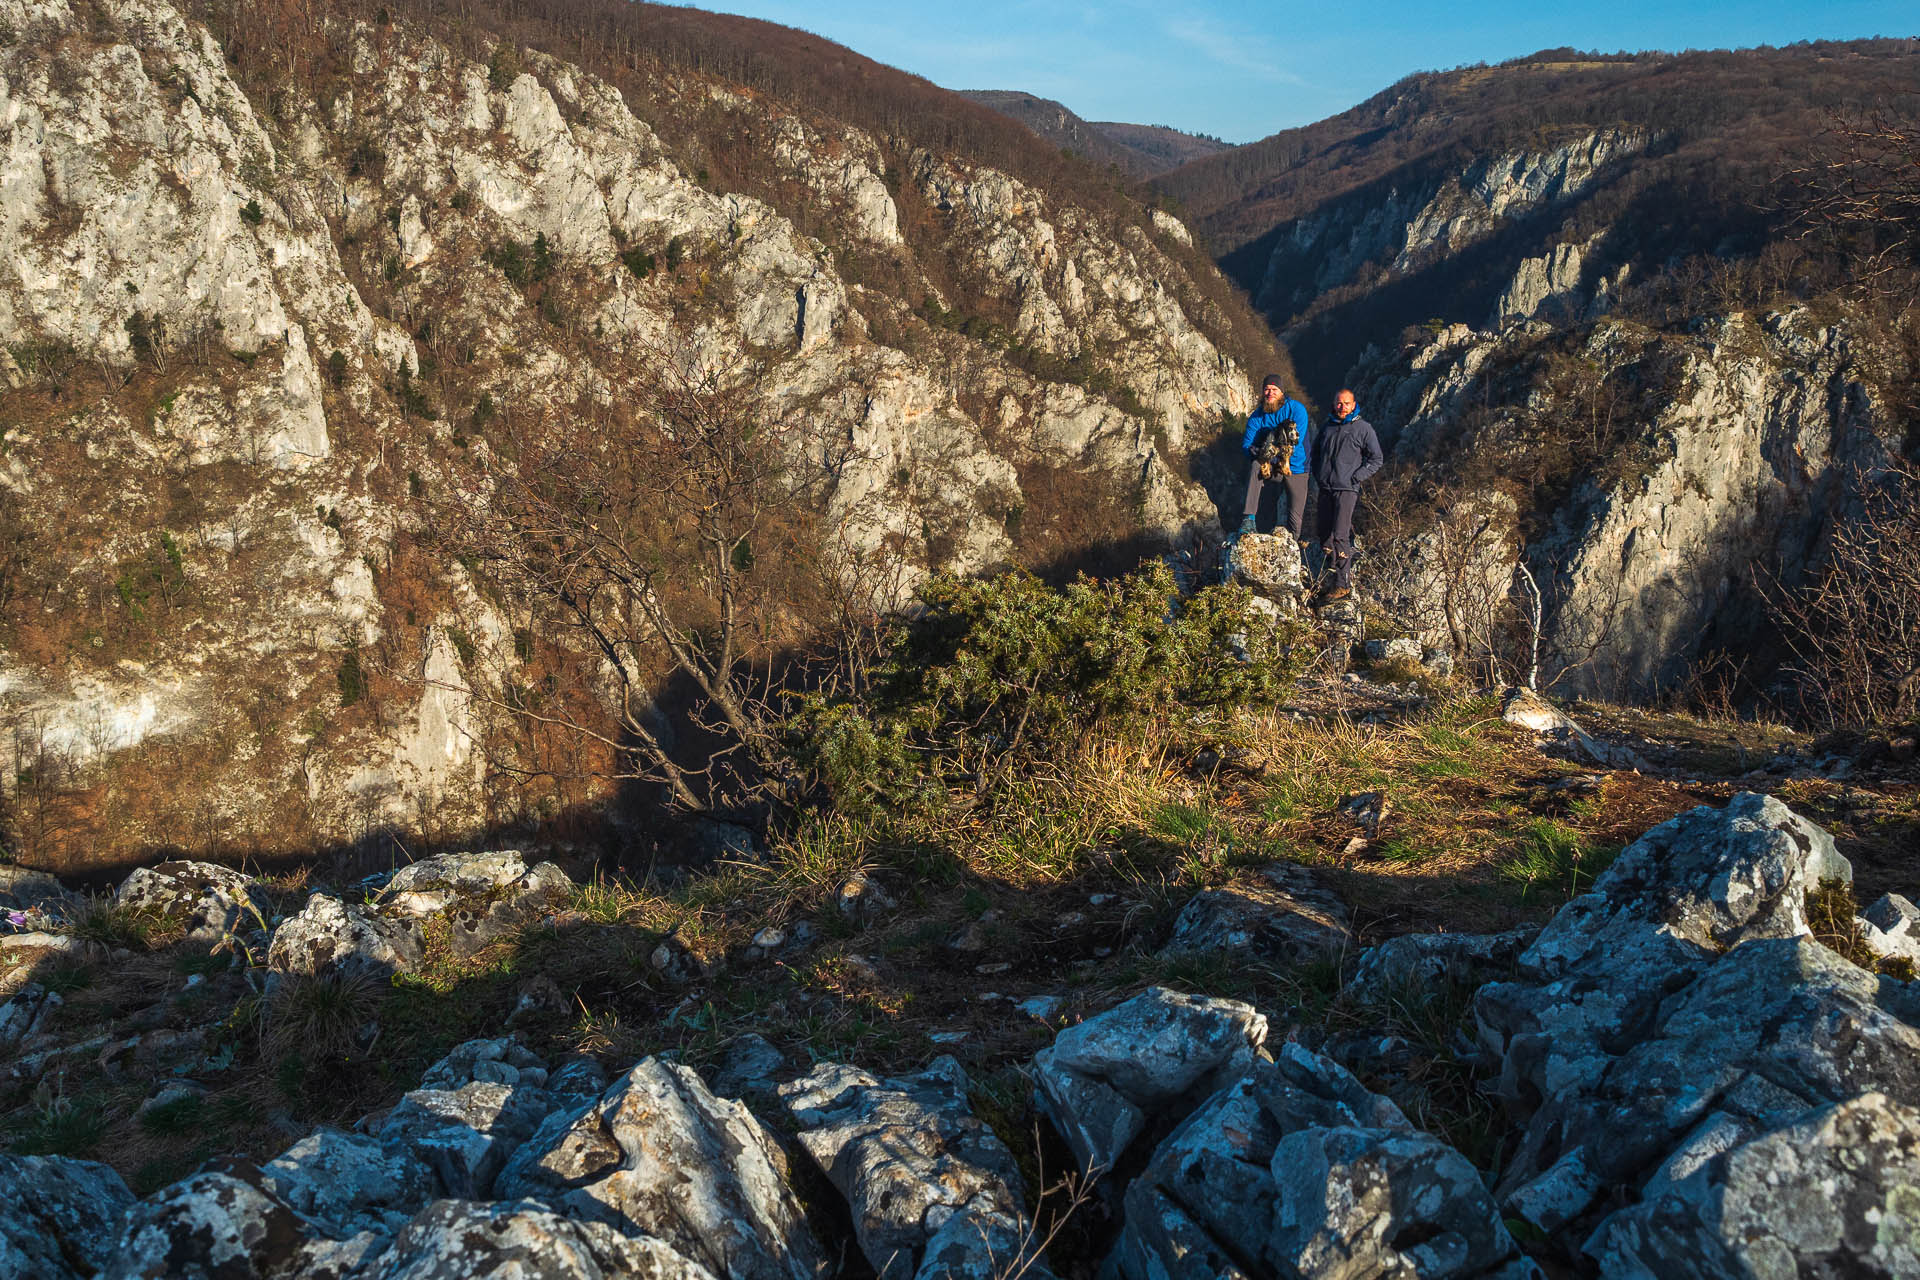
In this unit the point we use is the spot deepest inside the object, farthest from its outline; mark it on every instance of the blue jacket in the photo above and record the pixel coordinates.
(1346, 453)
(1290, 411)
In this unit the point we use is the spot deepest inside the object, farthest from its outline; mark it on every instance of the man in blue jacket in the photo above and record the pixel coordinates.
(1276, 449)
(1345, 457)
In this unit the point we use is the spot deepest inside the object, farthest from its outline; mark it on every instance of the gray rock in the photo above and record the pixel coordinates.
(751, 1065)
(22, 888)
(1666, 908)
(1269, 564)
(1155, 1056)
(933, 1192)
(348, 1183)
(862, 898)
(659, 1155)
(499, 1060)
(673, 960)
(57, 1216)
(1891, 926)
(460, 1240)
(1297, 1169)
(1396, 649)
(26, 1015)
(211, 1226)
(1281, 913)
(1837, 1193)
(465, 1135)
(484, 897)
(1773, 1031)
(1416, 961)
(212, 900)
(329, 935)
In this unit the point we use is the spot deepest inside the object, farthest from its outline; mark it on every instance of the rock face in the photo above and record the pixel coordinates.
(659, 1155)
(455, 1239)
(311, 310)
(934, 1193)
(1435, 218)
(1740, 469)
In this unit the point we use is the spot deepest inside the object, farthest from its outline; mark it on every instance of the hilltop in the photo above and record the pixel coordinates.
(1137, 151)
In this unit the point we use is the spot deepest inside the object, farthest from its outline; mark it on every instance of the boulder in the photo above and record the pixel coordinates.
(213, 1225)
(458, 1239)
(1268, 564)
(1152, 1058)
(212, 900)
(1296, 1169)
(484, 896)
(23, 889)
(348, 1183)
(659, 1155)
(862, 899)
(751, 1064)
(331, 936)
(933, 1192)
(465, 1135)
(1415, 961)
(1282, 913)
(57, 1216)
(1837, 1193)
(1528, 710)
(1395, 649)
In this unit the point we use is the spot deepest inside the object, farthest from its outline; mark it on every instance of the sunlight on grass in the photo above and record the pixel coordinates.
(1555, 857)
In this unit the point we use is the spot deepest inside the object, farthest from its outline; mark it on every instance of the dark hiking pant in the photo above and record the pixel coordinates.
(1296, 494)
(1335, 524)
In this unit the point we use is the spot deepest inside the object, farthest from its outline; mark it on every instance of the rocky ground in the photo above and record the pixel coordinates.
(1363, 984)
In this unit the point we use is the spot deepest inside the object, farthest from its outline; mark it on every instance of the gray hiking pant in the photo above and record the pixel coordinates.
(1296, 495)
(1335, 525)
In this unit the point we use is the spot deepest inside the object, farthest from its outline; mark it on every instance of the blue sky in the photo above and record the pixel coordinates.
(1242, 70)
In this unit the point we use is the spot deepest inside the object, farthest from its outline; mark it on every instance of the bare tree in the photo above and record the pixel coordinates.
(674, 537)
(1862, 191)
(1855, 629)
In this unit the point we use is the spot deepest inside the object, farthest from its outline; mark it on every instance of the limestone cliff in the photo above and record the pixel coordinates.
(1649, 480)
(245, 335)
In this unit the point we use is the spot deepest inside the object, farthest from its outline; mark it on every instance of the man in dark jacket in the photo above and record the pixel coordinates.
(1276, 447)
(1345, 456)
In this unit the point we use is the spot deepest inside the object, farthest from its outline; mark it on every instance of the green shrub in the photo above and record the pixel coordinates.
(504, 67)
(351, 678)
(638, 262)
(251, 213)
(1008, 668)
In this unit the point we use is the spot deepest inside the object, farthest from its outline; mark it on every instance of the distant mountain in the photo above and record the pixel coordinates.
(1423, 202)
(1139, 151)
(1166, 148)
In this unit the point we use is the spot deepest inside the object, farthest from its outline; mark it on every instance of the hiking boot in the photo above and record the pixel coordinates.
(1246, 527)
(1335, 593)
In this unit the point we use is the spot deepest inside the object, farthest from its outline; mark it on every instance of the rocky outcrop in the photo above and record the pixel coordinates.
(1432, 216)
(483, 897)
(330, 936)
(1297, 1169)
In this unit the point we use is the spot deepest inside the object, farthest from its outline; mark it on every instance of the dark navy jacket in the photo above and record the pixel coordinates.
(1347, 453)
(1290, 411)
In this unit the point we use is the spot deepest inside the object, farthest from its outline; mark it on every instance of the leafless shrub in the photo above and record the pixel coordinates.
(1855, 627)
